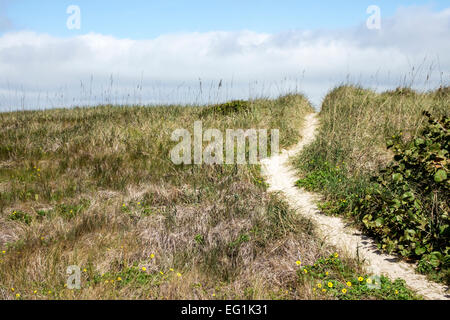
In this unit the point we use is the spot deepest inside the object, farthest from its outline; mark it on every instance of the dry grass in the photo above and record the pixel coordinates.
(101, 193)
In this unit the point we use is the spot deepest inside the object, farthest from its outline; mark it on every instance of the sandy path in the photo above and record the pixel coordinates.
(281, 177)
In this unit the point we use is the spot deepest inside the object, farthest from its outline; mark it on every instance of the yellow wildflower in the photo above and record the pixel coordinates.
(349, 284)
(360, 279)
(330, 284)
(144, 269)
(298, 262)
(344, 291)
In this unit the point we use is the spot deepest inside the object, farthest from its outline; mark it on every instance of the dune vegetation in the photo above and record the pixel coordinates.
(95, 188)
(382, 161)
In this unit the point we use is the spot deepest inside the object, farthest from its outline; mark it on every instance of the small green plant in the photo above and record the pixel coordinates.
(199, 239)
(21, 216)
(330, 276)
(240, 240)
(69, 211)
(42, 213)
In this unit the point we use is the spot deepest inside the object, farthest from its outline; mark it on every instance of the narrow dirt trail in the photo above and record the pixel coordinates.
(282, 178)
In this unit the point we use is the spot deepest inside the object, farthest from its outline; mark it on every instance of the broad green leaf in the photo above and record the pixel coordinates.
(420, 250)
(440, 176)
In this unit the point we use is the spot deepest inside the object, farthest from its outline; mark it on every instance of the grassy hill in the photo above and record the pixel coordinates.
(95, 188)
(376, 160)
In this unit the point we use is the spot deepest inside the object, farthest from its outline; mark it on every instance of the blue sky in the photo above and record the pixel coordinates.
(143, 19)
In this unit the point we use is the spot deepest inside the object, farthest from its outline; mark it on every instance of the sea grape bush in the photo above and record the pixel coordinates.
(407, 206)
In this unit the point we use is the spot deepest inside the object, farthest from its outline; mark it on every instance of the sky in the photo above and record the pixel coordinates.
(174, 51)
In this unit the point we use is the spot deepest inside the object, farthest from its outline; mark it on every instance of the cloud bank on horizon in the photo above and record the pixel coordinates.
(40, 71)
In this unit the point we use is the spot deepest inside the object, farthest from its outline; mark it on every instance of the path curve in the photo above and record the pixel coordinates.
(281, 177)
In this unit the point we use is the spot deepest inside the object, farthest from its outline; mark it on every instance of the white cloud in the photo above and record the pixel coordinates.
(33, 64)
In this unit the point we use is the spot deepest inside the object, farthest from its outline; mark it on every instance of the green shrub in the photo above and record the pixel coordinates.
(227, 108)
(407, 207)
